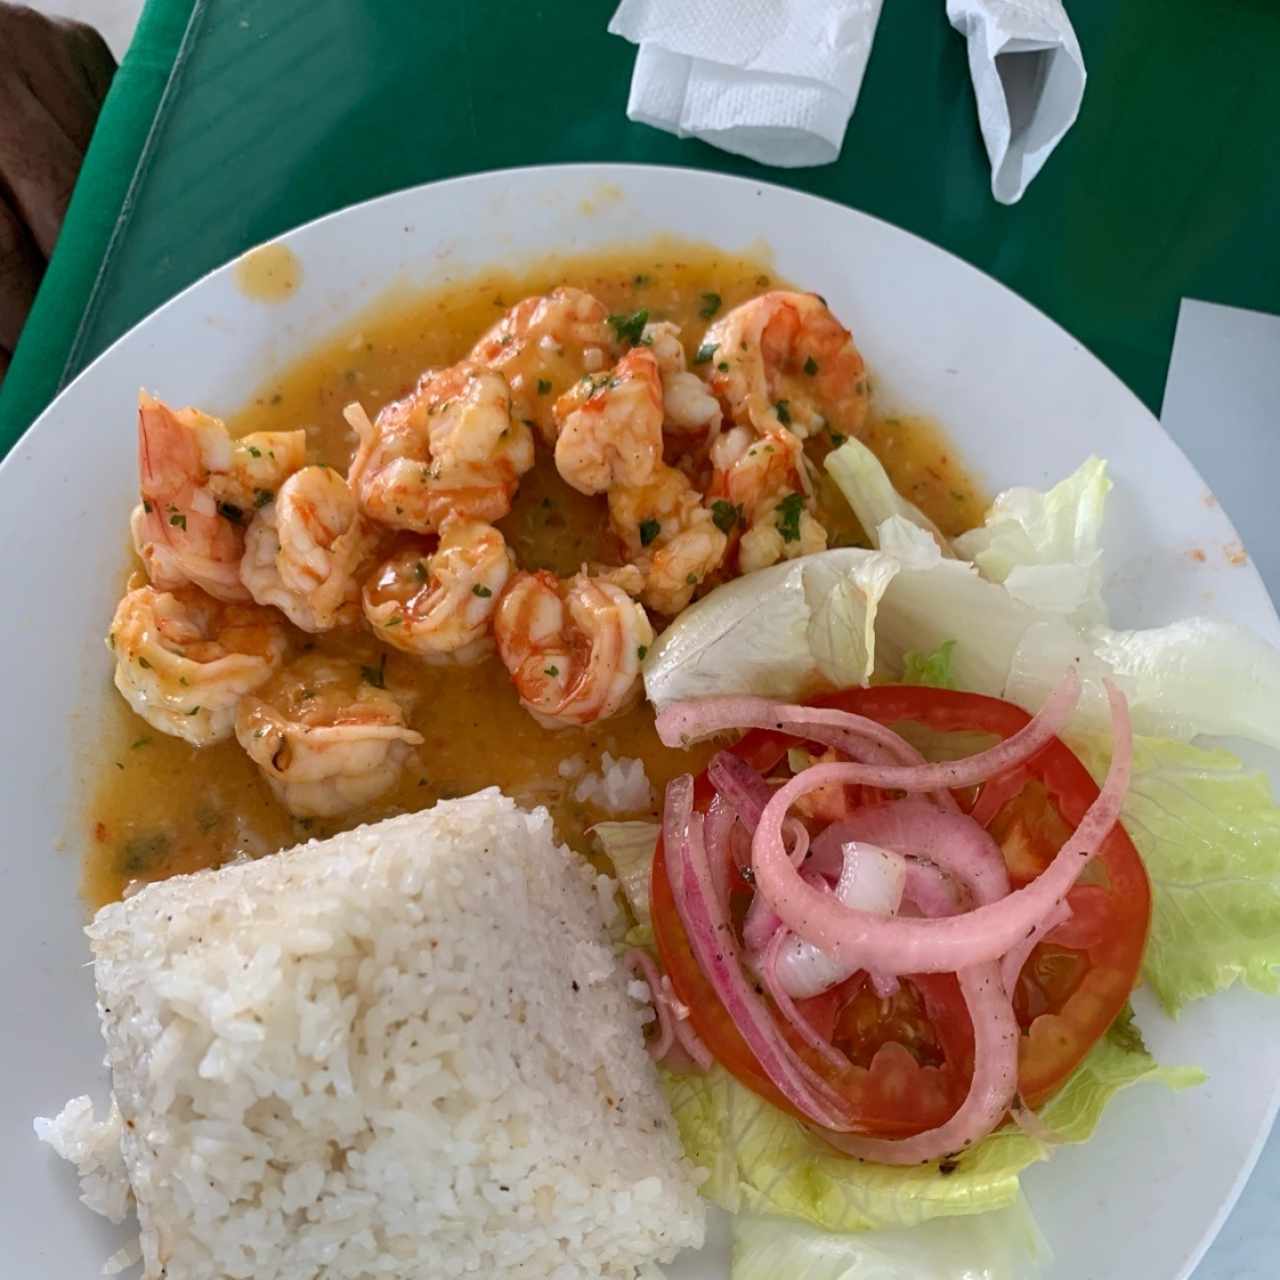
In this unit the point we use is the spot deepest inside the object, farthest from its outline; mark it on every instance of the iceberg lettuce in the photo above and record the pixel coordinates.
(762, 1161)
(1045, 547)
(1208, 831)
(866, 486)
(1004, 1244)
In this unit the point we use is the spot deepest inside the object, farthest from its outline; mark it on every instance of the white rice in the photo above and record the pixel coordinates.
(407, 1051)
(621, 786)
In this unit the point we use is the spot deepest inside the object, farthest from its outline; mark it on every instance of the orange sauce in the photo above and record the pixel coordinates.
(269, 273)
(158, 807)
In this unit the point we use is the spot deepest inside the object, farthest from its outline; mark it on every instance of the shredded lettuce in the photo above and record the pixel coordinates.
(933, 669)
(1045, 547)
(866, 486)
(763, 1161)
(1004, 1244)
(1208, 831)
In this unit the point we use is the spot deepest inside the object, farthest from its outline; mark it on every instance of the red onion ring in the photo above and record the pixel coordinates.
(787, 1007)
(691, 1042)
(914, 828)
(995, 1066)
(641, 964)
(932, 945)
(863, 740)
(685, 722)
(740, 785)
(716, 829)
(995, 794)
(710, 934)
(994, 1083)
(1018, 955)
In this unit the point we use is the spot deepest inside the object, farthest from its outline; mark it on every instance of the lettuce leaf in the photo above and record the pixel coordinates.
(866, 486)
(1004, 1244)
(783, 632)
(1196, 676)
(630, 847)
(933, 669)
(1045, 547)
(762, 1161)
(1208, 831)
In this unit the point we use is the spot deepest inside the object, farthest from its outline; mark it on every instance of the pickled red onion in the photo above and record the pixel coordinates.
(931, 945)
(951, 841)
(685, 722)
(710, 934)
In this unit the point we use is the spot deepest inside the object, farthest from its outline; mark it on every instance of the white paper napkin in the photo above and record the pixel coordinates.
(1028, 76)
(774, 80)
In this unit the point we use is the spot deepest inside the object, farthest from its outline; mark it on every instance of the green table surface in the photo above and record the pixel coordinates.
(233, 120)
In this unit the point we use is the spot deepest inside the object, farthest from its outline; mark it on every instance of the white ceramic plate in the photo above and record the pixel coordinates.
(1022, 399)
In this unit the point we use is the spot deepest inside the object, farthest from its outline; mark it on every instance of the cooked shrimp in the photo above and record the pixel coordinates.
(668, 535)
(783, 360)
(184, 659)
(573, 647)
(610, 427)
(686, 403)
(439, 605)
(260, 463)
(450, 445)
(766, 488)
(326, 734)
(304, 551)
(185, 529)
(544, 345)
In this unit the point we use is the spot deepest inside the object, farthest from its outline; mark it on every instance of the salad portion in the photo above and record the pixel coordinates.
(893, 928)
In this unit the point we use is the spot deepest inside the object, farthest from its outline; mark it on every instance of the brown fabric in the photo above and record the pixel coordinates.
(54, 75)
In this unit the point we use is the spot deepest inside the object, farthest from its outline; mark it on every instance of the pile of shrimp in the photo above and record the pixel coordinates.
(701, 465)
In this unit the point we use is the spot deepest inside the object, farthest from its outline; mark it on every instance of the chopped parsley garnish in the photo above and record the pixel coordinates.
(420, 571)
(482, 591)
(543, 386)
(649, 529)
(723, 366)
(376, 676)
(262, 497)
(394, 622)
(630, 328)
(641, 650)
(710, 305)
(193, 711)
(231, 512)
(551, 671)
(140, 742)
(705, 352)
(810, 366)
(141, 853)
(255, 452)
(180, 520)
(788, 521)
(725, 515)
(783, 410)
(691, 579)
(837, 439)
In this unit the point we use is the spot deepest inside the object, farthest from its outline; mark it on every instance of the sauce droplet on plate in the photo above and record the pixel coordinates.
(269, 273)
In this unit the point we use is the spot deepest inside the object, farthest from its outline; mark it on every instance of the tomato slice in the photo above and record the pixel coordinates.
(912, 1055)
